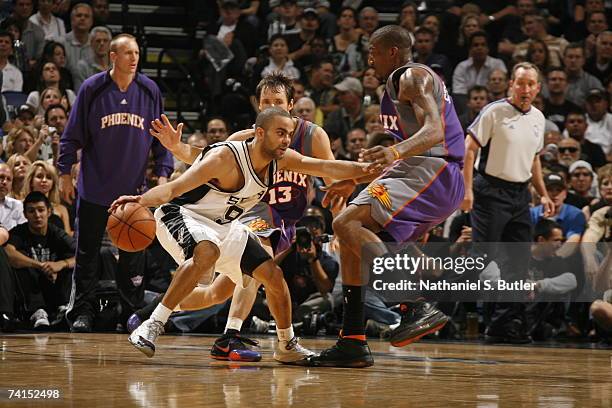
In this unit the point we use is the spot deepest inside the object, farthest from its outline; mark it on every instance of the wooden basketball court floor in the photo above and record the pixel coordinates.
(104, 370)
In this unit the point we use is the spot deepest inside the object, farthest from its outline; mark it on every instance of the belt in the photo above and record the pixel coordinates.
(497, 182)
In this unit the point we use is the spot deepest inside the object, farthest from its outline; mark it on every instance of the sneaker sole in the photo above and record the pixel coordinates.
(356, 363)
(406, 341)
(233, 356)
(144, 349)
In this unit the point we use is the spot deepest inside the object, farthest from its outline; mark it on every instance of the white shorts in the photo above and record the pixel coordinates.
(179, 230)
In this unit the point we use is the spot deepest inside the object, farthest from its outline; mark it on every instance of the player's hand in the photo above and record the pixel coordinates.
(548, 206)
(166, 133)
(379, 157)
(336, 191)
(66, 188)
(122, 201)
(468, 200)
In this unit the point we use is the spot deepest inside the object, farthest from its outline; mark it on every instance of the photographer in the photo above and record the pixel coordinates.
(309, 271)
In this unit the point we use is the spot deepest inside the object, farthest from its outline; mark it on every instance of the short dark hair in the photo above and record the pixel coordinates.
(268, 114)
(573, 46)
(4, 33)
(576, 111)
(276, 37)
(36, 197)
(392, 36)
(478, 34)
(477, 88)
(54, 106)
(424, 30)
(276, 82)
(544, 228)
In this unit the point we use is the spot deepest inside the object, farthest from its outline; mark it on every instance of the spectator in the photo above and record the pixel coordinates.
(52, 26)
(279, 60)
(13, 27)
(569, 151)
(32, 35)
(478, 97)
(497, 84)
(55, 52)
(423, 48)
(300, 44)
(408, 16)
(476, 69)
(579, 81)
(49, 77)
(197, 139)
(305, 108)
(537, 53)
(298, 90)
(570, 218)
(11, 210)
(600, 64)
(469, 25)
(320, 86)
(43, 256)
(368, 20)
(100, 38)
(347, 35)
(549, 125)
(513, 33)
(76, 42)
(576, 126)
(581, 180)
(101, 12)
(19, 166)
(604, 184)
(371, 84)
(534, 26)
(599, 120)
(12, 78)
(216, 131)
(350, 114)
(26, 115)
(24, 141)
(355, 142)
(556, 107)
(42, 177)
(373, 123)
(287, 22)
(309, 271)
(596, 24)
(50, 96)
(56, 116)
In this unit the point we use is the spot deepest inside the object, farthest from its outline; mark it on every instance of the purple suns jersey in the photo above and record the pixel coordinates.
(400, 121)
(288, 195)
(112, 129)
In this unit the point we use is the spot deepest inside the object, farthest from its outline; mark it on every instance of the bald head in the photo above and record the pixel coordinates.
(392, 36)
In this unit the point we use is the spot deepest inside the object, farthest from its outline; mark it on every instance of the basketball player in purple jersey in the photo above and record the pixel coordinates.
(421, 186)
(273, 219)
(109, 123)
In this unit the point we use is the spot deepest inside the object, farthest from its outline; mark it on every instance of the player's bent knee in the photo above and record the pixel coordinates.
(270, 275)
(205, 253)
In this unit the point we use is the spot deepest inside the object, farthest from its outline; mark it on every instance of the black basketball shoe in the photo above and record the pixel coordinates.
(418, 319)
(350, 353)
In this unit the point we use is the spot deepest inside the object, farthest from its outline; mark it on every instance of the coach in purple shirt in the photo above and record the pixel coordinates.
(109, 123)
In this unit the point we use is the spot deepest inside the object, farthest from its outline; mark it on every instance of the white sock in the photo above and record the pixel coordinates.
(285, 334)
(233, 323)
(161, 313)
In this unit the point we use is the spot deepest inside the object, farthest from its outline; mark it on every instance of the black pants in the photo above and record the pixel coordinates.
(501, 214)
(8, 287)
(90, 226)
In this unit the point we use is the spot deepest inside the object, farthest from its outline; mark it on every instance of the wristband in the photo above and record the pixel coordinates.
(395, 152)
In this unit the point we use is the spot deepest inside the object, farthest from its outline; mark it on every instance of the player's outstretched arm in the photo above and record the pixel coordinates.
(170, 138)
(215, 164)
(415, 89)
(241, 135)
(337, 169)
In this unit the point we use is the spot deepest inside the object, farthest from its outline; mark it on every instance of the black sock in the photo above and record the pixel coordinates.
(146, 311)
(352, 322)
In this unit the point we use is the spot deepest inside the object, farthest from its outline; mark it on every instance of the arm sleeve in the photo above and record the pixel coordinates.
(66, 245)
(576, 225)
(330, 266)
(75, 135)
(481, 128)
(558, 285)
(164, 164)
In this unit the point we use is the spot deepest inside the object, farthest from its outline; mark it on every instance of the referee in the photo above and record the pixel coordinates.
(110, 124)
(502, 147)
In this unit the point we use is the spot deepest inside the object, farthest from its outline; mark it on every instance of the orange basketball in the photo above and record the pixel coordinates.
(131, 227)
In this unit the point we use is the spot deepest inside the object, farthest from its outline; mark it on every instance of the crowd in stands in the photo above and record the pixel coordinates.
(49, 47)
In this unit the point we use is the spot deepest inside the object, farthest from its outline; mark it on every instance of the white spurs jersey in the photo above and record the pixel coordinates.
(222, 206)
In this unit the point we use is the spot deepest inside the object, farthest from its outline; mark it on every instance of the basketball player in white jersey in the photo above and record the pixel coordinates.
(199, 229)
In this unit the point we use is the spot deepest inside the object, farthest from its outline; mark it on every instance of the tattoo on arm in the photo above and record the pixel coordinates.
(416, 89)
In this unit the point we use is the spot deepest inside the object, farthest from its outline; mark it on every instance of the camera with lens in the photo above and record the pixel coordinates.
(318, 323)
(303, 238)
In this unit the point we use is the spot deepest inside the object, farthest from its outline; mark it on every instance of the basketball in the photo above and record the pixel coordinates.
(131, 227)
